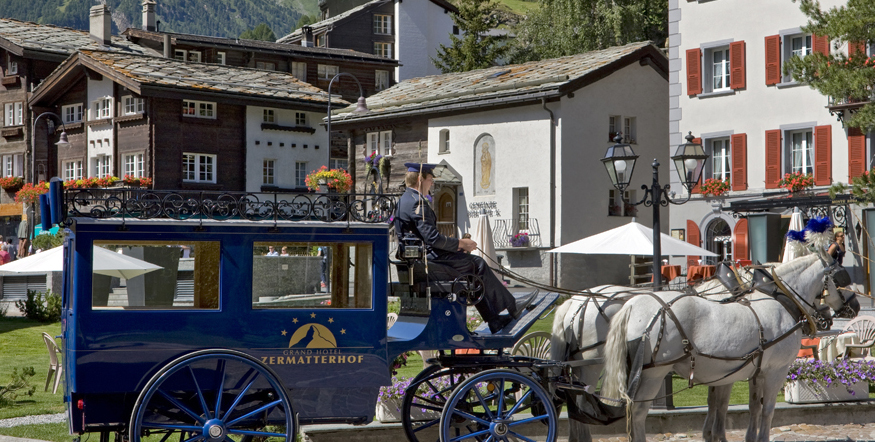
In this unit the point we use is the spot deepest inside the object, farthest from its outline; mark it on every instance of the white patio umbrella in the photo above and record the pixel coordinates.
(790, 252)
(630, 239)
(106, 262)
(482, 235)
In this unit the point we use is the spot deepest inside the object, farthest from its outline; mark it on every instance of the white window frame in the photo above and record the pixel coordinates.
(199, 109)
(102, 166)
(383, 49)
(132, 105)
(134, 165)
(338, 163)
(444, 141)
(807, 143)
(220, 57)
(72, 113)
(380, 142)
(73, 170)
(521, 208)
(381, 79)
(713, 66)
(299, 70)
(180, 54)
(300, 118)
(13, 68)
(199, 167)
(13, 165)
(630, 130)
(14, 114)
(268, 116)
(265, 65)
(321, 40)
(268, 166)
(327, 71)
(787, 52)
(382, 24)
(721, 154)
(102, 108)
(194, 56)
(613, 126)
(300, 173)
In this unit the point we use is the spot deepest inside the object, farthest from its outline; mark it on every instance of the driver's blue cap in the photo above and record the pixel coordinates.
(425, 168)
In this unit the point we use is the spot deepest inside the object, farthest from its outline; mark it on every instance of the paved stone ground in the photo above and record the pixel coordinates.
(791, 433)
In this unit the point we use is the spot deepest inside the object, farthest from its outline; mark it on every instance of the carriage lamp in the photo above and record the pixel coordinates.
(620, 160)
(689, 160)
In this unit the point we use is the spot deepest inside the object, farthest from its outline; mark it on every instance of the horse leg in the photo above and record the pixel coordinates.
(651, 382)
(770, 388)
(715, 421)
(754, 406)
(578, 431)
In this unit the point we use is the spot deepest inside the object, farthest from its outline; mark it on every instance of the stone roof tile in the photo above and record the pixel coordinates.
(56, 39)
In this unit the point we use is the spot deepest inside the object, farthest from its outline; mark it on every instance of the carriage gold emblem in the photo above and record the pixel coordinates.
(313, 343)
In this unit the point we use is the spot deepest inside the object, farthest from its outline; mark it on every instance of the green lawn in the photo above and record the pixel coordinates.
(21, 344)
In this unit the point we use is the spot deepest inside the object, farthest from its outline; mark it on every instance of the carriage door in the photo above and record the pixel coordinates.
(718, 239)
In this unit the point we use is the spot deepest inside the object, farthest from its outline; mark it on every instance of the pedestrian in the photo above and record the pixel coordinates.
(271, 251)
(23, 239)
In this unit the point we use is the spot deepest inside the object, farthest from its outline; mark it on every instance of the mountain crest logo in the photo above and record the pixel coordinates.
(312, 336)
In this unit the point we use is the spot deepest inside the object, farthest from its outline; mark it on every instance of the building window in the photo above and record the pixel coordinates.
(180, 54)
(719, 72)
(299, 70)
(267, 172)
(327, 71)
(338, 163)
(521, 206)
(72, 170)
(13, 165)
(14, 114)
(300, 119)
(798, 45)
(102, 165)
(629, 135)
(321, 41)
(134, 165)
(194, 56)
(102, 108)
(380, 142)
(132, 105)
(198, 109)
(198, 168)
(267, 116)
(618, 206)
(721, 159)
(382, 24)
(220, 57)
(300, 173)
(72, 113)
(444, 141)
(381, 80)
(613, 126)
(266, 65)
(801, 152)
(383, 49)
(13, 68)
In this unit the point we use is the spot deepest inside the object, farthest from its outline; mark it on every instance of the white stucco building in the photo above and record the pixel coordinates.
(524, 142)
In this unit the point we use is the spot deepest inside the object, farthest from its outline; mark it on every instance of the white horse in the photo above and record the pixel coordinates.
(580, 329)
(716, 344)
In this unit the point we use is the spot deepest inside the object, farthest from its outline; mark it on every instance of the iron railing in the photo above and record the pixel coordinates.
(506, 229)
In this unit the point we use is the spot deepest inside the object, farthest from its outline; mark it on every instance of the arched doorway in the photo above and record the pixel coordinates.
(718, 239)
(446, 211)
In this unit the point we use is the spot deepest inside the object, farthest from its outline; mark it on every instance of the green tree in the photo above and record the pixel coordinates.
(304, 21)
(475, 49)
(567, 27)
(260, 32)
(850, 78)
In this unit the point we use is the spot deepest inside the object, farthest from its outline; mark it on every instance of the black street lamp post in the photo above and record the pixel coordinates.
(689, 160)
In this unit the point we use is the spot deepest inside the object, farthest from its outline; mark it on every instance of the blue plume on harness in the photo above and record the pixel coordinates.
(818, 225)
(796, 235)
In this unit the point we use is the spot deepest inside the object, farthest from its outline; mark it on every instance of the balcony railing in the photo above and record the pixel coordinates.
(505, 229)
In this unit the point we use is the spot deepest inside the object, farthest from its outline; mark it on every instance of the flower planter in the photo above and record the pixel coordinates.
(389, 410)
(801, 393)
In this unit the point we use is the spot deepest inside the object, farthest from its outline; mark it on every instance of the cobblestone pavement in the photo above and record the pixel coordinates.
(790, 433)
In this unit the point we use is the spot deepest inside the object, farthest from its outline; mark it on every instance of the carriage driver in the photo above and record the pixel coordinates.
(416, 216)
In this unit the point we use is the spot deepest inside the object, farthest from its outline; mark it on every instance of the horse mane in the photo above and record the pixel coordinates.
(802, 261)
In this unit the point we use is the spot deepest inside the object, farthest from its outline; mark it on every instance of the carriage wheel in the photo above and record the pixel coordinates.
(469, 289)
(213, 396)
(424, 400)
(486, 407)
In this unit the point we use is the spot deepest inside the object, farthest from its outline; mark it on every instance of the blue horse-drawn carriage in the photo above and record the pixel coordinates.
(209, 337)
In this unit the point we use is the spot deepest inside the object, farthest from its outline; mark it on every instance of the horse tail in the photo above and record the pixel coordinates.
(614, 387)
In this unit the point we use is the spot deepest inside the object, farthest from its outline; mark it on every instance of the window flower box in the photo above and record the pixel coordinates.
(801, 393)
(841, 380)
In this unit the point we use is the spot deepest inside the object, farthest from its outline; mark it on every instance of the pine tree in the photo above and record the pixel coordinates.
(475, 49)
(260, 32)
(567, 27)
(843, 77)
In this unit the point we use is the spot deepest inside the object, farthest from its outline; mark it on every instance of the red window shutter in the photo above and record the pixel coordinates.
(856, 153)
(823, 155)
(773, 60)
(821, 44)
(856, 47)
(739, 161)
(694, 71)
(693, 237)
(739, 240)
(773, 158)
(736, 65)
(698, 187)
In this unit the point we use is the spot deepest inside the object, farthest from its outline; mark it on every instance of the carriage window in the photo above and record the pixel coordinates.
(155, 275)
(311, 275)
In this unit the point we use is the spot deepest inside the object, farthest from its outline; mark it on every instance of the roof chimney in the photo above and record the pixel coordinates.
(101, 24)
(307, 41)
(149, 15)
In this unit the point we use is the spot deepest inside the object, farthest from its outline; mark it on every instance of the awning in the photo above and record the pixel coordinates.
(445, 174)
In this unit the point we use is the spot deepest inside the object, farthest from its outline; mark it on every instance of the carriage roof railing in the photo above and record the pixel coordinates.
(146, 204)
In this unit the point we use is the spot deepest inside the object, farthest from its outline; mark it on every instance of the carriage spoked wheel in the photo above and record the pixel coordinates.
(213, 396)
(487, 406)
(469, 289)
(425, 398)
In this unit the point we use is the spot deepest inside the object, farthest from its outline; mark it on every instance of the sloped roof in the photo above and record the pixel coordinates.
(139, 72)
(23, 36)
(297, 34)
(264, 46)
(503, 84)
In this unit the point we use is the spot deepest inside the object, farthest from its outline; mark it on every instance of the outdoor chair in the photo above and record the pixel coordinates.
(390, 320)
(534, 345)
(864, 327)
(55, 367)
